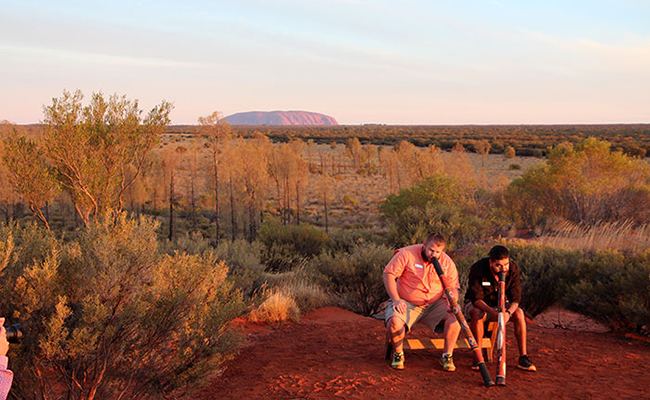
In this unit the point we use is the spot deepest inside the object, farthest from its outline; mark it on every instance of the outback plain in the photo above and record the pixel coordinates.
(213, 261)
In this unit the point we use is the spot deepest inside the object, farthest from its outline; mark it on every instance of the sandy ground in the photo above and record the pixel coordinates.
(335, 354)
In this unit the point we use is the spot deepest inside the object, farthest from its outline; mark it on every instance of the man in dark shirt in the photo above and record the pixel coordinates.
(481, 299)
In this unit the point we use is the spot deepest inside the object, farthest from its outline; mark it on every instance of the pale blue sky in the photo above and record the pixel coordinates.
(360, 61)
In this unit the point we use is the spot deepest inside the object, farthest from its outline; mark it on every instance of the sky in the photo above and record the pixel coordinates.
(401, 62)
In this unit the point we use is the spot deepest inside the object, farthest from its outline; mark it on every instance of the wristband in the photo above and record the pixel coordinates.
(508, 311)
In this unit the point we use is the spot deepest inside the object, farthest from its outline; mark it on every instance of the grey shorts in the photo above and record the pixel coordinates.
(431, 314)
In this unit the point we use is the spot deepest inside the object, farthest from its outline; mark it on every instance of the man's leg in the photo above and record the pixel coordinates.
(476, 319)
(476, 323)
(396, 331)
(436, 313)
(396, 326)
(451, 332)
(519, 319)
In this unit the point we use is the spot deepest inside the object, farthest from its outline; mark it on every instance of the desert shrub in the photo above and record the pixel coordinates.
(277, 306)
(108, 314)
(509, 152)
(585, 183)
(514, 167)
(459, 227)
(612, 288)
(439, 204)
(244, 261)
(343, 240)
(24, 246)
(186, 242)
(435, 189)
(284, 245)
(356, 277)
(546, 272)
(242, 257)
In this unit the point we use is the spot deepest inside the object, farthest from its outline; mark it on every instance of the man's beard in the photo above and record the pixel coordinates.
(424, 256)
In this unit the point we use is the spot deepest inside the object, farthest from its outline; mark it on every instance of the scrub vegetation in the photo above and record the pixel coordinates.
(129, 247)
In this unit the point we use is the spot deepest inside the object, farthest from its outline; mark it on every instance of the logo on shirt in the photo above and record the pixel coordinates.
(419, 266)
(486, 283)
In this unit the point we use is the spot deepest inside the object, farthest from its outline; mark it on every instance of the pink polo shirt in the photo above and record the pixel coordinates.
(417, 281)
(6, 377)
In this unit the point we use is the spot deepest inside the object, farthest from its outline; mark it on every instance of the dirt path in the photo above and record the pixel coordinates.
(335, 354)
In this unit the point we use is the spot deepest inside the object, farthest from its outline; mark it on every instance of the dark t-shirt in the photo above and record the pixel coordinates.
(482, 284)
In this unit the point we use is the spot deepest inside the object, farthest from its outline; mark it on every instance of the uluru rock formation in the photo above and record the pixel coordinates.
(280, 118)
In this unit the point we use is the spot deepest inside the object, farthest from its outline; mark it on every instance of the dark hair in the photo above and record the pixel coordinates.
(498, 253)
(437, 238)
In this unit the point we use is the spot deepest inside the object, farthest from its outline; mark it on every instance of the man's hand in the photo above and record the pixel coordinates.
(507, 316)
(4, 345)
(399, 306)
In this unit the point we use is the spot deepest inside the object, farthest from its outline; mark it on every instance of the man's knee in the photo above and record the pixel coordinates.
(519, 317)
(395, 324)
(477, 315)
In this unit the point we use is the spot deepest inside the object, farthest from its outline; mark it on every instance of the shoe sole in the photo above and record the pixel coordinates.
(532, 368)
(474, 368)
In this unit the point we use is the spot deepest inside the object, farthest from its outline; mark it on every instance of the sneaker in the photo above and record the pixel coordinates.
(474, 366)
(398, 360)
(526, 364)
(447, 363)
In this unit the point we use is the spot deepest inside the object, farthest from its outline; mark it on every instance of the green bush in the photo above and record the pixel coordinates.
(435, 189)
(545, 273)
(107, 313)
(285, 245)
(459, 227)
(344, 240)
(356, 277)
(439, 204)
(612, 288)
(244, 261)
(586, 184)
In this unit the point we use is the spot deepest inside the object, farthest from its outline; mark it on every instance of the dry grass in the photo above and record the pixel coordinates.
(278, 307)
(308, 296)
(606, 235)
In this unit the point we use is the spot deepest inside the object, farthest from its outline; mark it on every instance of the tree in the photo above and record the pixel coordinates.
(355, 152)
(29, 173)
(97, 151)
(254, 177)
(586, 183)
(214, 128)
(325, 190)
(483, 148)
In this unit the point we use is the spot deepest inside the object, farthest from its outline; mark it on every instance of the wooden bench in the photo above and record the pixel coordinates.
(438, 343)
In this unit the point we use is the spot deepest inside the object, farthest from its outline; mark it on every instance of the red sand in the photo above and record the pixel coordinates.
(336, 354)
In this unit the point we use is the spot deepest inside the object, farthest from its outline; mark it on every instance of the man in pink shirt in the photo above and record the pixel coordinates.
(416, 294)
(6, 376)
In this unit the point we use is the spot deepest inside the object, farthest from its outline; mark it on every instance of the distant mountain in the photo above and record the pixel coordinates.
(280, 118)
